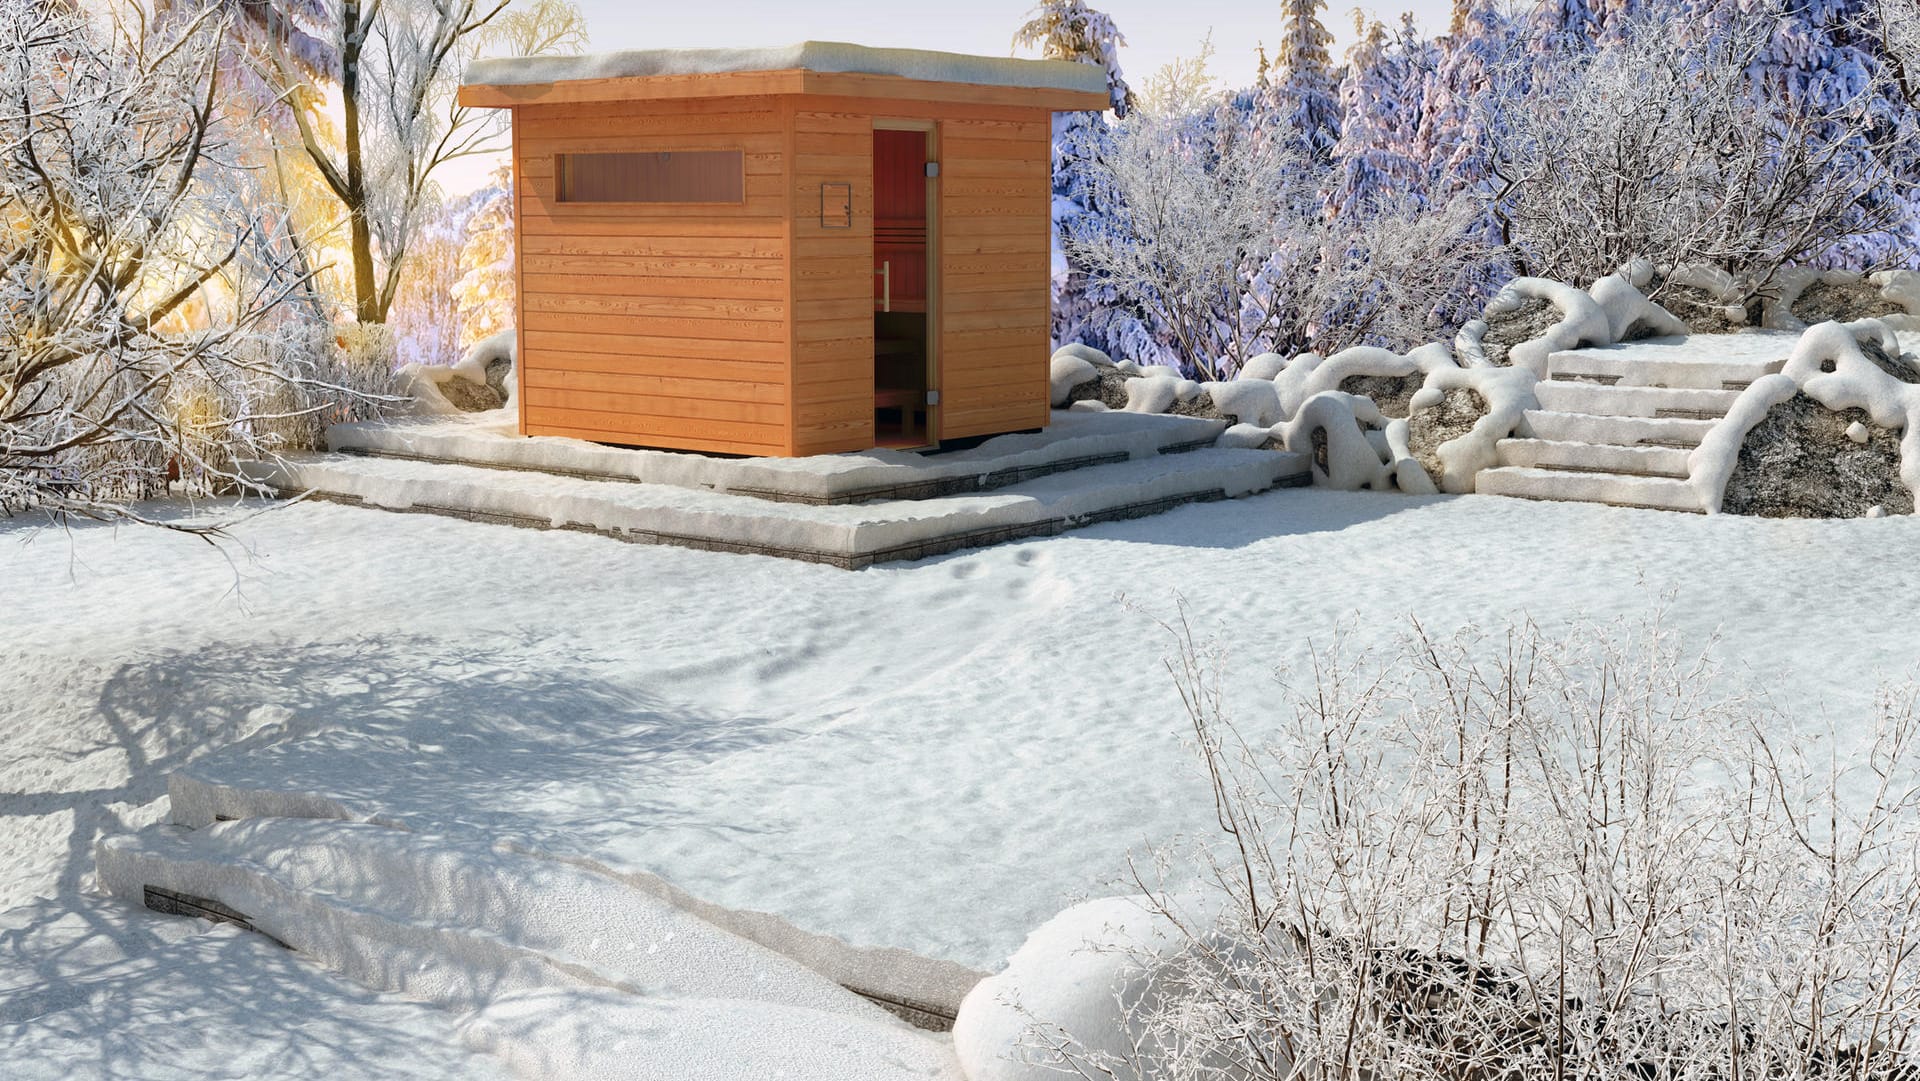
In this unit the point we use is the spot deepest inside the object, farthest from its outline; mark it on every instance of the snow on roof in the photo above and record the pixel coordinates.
(818, 56)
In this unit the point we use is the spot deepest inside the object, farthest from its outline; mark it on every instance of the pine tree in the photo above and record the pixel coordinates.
(1305, 94)
(1382, 100)
(1820, 61)
(1070, 30)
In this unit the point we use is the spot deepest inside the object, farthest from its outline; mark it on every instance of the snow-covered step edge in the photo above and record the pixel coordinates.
(1072, 440)
(480, 972)
(1633, 401)
(1628, 370)
(922, 990)
(1668, 462)
(845, 535)
(360, 897)
(1620, 431)
(1613, 489)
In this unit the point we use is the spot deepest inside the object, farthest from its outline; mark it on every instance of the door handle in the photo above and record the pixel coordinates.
(886, 285)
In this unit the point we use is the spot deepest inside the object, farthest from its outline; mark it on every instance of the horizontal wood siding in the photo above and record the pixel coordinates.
(995, 230)
(832, 280)
(655, 324)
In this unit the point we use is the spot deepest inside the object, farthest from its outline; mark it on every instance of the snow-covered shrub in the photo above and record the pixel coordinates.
(142, 338)
(1517, 855)
(1216, 234)
(1680, 142)
(336, 375)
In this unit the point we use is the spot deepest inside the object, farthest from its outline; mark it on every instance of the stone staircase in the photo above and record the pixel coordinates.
(1617, 423)
(850, 511)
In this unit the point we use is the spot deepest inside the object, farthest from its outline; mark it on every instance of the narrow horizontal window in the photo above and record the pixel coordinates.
(677, 176)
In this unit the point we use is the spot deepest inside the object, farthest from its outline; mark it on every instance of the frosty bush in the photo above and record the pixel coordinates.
(1535, 856)
(1219, 234)
(1670, 143)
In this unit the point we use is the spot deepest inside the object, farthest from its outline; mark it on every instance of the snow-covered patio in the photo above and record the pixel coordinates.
(889, 755)
(935, 756)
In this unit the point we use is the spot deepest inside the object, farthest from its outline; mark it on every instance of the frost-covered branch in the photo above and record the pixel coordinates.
(1218, 232)
(137, 318)
(1527, 855)
(395, 72)
(1672, 143)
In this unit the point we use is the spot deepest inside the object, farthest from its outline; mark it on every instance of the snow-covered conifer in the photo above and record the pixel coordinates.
(1305, 93)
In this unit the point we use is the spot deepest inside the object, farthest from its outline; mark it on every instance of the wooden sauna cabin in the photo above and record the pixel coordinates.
(792, 251)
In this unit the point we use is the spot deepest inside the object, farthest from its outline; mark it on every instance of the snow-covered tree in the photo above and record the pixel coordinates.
(1460, 103)
(1220, 240)
(1896, 23)
(1381, 101)
(131, 299)
(1070, 30)
(1667, 148)
(395, 70)
(1305, 91)
(485, 293)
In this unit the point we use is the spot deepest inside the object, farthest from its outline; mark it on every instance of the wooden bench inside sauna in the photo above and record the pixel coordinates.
(781, 252)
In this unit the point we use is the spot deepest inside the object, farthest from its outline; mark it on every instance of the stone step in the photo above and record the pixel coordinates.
(844, 535)
(1709, 362)
(465, 924)
(1619, 431)
(1634, 401)
(1070, 441)
(1593, 457)
(1613, 489)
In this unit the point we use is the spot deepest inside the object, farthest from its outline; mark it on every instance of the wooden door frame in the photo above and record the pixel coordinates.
(934, 294)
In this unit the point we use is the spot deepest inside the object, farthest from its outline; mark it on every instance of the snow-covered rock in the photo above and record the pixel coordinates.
(1096, 357)
(1630, 313)
(1788, 283)
(1264, 366)
(1156, 391)
(1248, 401)
(1903, 288)
(485, 378)
(1582, 320)
(1353, 461)
(1829, 366)
(1067, 371)
(1508, 393)
(491, 363)
(1244, 436)
(1075, 977)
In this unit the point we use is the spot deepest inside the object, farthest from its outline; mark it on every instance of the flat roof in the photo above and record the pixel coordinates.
(809, 67)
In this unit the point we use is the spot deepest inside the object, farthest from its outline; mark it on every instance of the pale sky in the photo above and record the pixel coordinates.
(1157, 31)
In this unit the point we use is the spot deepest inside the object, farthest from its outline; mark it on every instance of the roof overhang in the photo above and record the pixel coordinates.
(811, 68)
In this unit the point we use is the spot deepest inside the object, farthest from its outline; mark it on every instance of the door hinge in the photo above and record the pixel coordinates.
(933, 169)
(933, 397)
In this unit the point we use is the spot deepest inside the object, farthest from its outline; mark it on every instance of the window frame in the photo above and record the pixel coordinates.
(560, 181)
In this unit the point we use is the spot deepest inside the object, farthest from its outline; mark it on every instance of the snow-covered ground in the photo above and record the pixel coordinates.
(937, 756)
(90, 989)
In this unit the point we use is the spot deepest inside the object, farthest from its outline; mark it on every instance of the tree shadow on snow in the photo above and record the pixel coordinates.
(89, 988)
(387, 726)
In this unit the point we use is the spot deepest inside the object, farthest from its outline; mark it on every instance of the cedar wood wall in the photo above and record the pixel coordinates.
(672, 326)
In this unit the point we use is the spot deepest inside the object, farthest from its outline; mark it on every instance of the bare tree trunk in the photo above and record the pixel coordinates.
(367, 306)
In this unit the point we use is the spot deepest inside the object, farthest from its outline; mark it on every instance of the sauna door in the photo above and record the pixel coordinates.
(905, 400)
